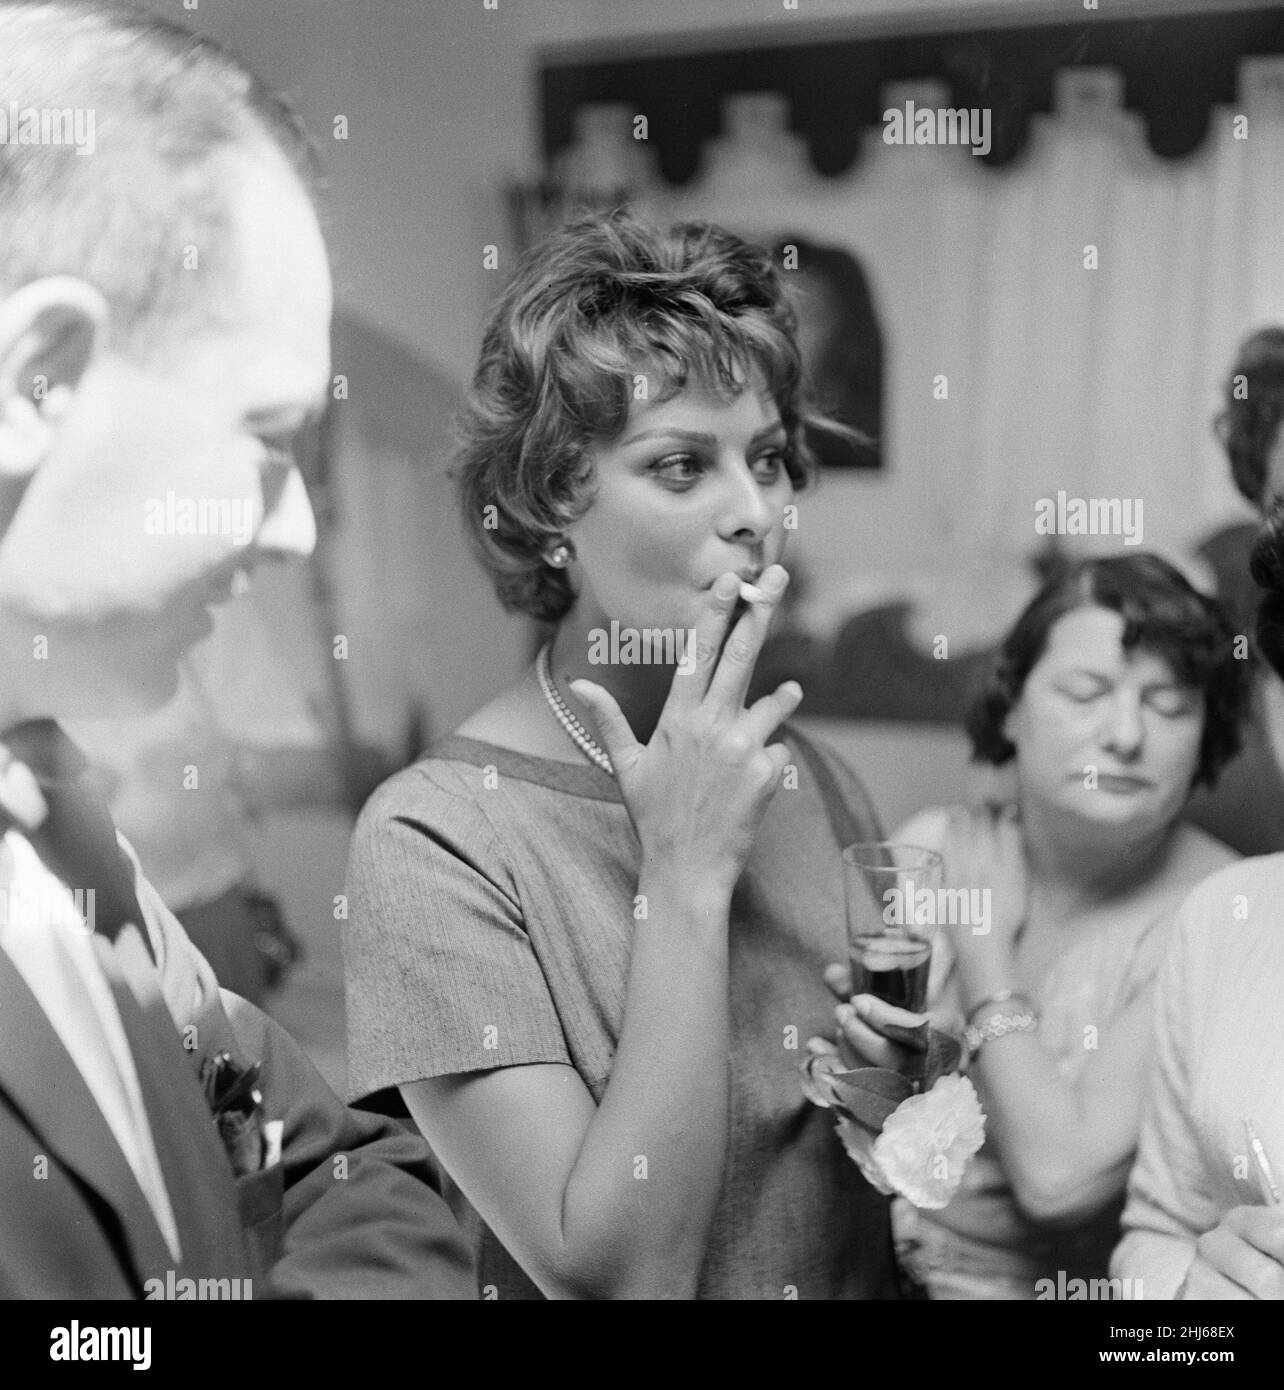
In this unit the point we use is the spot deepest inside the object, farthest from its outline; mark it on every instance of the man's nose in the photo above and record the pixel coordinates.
(289, 527)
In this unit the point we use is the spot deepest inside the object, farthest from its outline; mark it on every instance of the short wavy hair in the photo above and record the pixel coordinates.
(1163, 614)
(1250, 421)
(607, 299)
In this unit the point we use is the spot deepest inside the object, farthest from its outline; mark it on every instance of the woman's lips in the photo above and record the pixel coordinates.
(747, 575)
(1122, 782)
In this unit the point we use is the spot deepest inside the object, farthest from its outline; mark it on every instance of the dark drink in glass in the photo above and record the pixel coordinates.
(892, 966)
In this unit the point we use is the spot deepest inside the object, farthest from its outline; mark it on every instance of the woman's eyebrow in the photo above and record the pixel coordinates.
(768, 432)
(698, 437)
(691, 436)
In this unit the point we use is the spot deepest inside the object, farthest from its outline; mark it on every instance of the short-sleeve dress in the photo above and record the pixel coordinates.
(491, 910)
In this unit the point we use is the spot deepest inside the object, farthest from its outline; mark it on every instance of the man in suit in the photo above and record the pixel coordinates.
(164, 314)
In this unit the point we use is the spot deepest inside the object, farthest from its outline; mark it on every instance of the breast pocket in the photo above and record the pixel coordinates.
(260, 1199)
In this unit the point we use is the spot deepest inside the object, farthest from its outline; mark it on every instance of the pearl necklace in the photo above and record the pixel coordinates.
(575, 731)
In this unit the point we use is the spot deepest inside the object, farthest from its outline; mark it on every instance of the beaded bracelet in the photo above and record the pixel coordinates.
(998, 1024)
(1000, 997)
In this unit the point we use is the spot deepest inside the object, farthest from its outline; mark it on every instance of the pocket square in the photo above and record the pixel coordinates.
(236, 1102)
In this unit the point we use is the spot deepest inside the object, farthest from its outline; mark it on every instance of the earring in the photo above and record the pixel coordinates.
(559, 557)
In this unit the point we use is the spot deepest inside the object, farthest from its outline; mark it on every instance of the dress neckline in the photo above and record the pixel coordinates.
(578, 779)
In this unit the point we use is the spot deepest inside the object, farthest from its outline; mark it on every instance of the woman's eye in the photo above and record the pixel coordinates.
(770, 466)
(677, 468)
(1083, 694)
(1170, 703)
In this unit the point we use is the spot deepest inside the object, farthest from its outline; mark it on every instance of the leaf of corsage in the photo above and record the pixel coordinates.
(940, 1049)
(870, 1094)
(859, 1144)
(944, 1051)
(910, 1035)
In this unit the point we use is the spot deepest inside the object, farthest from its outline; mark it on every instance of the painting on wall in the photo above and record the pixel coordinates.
(842, 346)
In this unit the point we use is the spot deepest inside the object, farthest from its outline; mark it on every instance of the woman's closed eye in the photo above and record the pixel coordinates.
(1084, 690)
(1172, 701)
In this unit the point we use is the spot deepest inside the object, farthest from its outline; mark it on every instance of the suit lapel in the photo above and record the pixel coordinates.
(197, 1173)
(43, 1084)
(78, 843)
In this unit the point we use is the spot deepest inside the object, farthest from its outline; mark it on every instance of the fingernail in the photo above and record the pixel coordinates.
(728, 586)
(843, 1013)
(751, 593)
(774, 578)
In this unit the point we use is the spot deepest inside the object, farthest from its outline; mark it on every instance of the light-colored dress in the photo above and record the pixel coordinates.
(982, 1246)
(1218, 1060)
(491, 917)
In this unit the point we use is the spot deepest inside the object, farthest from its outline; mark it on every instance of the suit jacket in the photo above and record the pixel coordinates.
(351, 1211)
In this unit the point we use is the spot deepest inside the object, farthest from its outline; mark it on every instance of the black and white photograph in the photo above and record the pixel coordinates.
(642, 659)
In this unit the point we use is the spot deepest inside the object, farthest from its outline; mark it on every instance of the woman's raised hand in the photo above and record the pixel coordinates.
(983, 849)
(697, 791)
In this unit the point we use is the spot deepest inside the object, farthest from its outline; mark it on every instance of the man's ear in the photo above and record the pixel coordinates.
(50, 330)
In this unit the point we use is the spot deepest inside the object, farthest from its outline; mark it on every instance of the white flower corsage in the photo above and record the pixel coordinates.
(914, 1138)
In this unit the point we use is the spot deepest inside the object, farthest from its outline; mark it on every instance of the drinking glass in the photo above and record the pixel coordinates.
(890, 920)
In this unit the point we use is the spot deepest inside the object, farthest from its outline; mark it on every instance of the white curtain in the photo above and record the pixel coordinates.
(1095, 382)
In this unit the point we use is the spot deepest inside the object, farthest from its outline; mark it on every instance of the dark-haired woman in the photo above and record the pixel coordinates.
(1205, 1212)
(588, 932)
(1116, 691)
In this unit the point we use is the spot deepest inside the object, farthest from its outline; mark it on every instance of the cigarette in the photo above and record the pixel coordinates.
(751, 593)
(1265, 1178)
